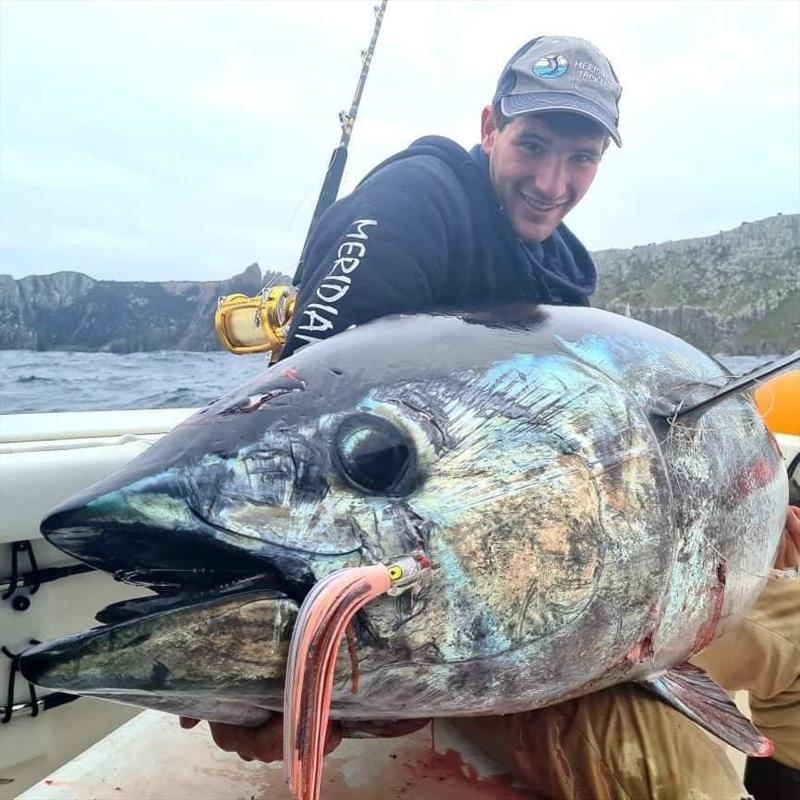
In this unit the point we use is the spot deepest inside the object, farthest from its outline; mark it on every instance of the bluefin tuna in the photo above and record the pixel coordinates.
(581, 533)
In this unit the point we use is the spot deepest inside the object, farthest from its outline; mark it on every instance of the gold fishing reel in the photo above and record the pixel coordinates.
(257, 324)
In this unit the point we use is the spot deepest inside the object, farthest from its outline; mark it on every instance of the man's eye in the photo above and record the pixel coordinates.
(532, 147)
(583, 159)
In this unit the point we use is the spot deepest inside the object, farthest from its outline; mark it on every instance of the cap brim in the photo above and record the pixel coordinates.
(513, 105)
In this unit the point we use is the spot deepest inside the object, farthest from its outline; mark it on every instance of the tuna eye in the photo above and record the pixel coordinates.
(375, 456)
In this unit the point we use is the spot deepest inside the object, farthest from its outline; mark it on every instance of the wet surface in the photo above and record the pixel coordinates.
(150, 758)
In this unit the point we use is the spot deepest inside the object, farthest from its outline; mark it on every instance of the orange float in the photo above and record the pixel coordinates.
(778, 401)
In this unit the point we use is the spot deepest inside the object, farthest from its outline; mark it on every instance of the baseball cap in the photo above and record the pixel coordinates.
(561, 73)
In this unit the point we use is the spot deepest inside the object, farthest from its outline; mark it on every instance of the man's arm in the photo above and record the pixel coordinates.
(382, 250)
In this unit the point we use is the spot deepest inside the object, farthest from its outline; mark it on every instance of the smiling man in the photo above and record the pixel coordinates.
(436, 225)
(541, 166)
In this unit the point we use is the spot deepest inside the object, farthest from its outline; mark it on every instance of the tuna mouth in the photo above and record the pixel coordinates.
(210, 640)
(194, 572)
(165, 546)
(142, 607)
(205, 566)
(199, 595)
(175, 594)
(218, 654)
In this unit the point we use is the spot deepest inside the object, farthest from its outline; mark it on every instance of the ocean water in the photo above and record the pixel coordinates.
(65, 381)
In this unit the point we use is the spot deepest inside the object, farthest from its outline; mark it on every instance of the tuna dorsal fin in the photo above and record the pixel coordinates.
(736, 385)
(688, 689)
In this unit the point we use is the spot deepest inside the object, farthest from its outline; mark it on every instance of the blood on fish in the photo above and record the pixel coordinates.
(760, 474)
(351, 649)
(642, 650)
(705, 634)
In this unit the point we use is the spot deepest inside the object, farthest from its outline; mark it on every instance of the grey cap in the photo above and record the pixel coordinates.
(561, 73)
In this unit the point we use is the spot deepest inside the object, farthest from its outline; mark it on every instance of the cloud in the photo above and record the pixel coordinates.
(59, 171)
(187, 139)
(101, 240)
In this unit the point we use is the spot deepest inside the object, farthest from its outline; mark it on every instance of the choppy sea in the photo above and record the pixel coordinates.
(65, 381)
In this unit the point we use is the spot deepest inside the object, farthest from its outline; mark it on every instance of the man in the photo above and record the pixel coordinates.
(438, 226)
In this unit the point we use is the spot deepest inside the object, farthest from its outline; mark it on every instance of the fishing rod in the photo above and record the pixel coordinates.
(257, 324)
(333, 176)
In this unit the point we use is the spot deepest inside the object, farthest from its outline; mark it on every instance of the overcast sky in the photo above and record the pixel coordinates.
(185, 140)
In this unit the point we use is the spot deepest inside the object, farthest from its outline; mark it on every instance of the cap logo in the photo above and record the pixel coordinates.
(552, 66)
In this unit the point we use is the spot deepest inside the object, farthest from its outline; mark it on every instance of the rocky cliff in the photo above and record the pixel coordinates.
(71, 311)
(737, 292)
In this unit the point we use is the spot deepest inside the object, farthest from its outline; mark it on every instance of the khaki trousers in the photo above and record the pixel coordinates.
(617, 744)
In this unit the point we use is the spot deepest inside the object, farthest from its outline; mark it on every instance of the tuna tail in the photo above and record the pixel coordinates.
(689, 690)
(756, 376)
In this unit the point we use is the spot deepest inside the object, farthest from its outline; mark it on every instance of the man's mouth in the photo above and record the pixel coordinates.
(539, 206)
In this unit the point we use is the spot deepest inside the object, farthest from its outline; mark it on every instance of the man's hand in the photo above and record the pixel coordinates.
(789, 548)
(266, 742)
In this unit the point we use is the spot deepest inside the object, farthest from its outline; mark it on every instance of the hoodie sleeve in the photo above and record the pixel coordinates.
(382, 250)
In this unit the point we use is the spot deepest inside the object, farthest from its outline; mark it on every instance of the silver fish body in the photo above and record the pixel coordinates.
(577, 538)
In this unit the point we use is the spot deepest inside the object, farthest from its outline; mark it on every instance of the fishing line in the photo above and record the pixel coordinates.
(300, 204)
(743, 571)
(689, 427)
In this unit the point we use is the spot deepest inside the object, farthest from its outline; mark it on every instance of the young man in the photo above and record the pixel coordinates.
(437, 226)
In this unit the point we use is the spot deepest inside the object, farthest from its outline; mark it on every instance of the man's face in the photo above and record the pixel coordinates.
(539, 174)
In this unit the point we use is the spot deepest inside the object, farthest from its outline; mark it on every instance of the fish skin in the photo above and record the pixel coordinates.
(177, 658)
(576, 539)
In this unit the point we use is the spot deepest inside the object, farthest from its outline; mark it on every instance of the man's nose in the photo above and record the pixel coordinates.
(551, 178)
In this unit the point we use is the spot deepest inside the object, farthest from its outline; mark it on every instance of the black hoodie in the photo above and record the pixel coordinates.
(423, 230)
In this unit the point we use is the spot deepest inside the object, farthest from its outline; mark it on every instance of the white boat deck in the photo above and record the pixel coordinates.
(150, 758)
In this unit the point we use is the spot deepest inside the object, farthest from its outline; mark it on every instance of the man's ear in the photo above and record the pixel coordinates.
(489, 129)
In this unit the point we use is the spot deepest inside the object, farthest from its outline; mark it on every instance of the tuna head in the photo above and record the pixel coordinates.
(530, 478)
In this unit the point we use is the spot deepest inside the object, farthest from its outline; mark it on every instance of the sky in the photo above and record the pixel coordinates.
(185, 140)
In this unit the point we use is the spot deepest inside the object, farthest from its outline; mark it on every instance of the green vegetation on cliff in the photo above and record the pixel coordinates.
(735, 292)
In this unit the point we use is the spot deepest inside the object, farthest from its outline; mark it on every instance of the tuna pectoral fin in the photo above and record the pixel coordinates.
(688, 689)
